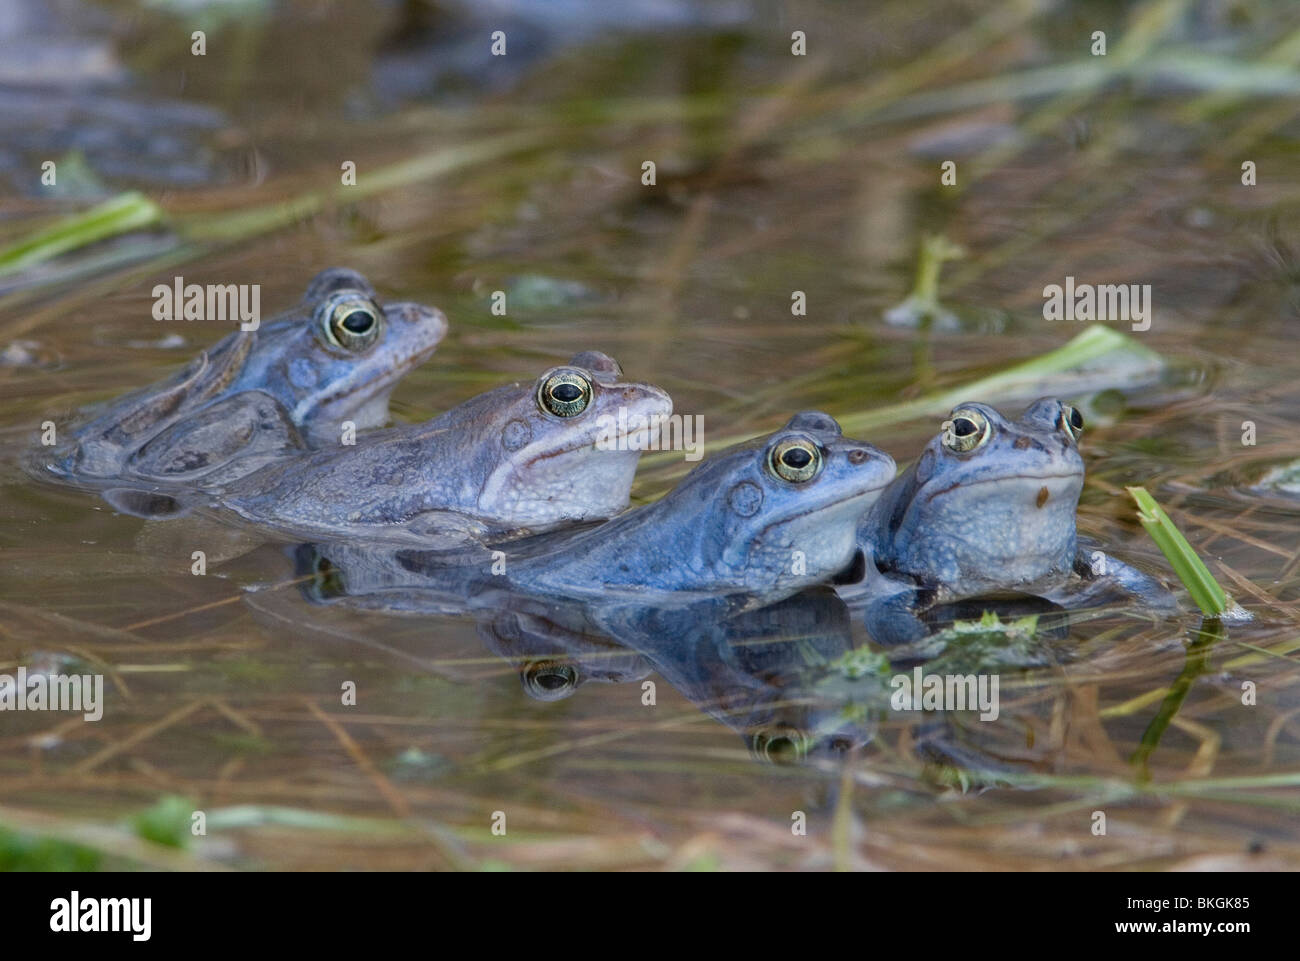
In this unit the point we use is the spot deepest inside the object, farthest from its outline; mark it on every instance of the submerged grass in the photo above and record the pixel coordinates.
(600, 780)
(1198, 663)
(122, 214)
(1098, 358)
(201, 233)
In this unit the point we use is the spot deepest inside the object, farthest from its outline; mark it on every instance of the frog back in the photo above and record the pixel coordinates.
(102, 446)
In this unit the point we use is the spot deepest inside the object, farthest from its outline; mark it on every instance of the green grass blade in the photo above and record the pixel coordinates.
(1191, 570)
(1098, 358)
(122, 214)
(1196, 665)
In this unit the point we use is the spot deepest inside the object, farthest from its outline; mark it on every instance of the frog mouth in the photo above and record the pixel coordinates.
(623, 442)
(870, 496)
(347, 390)
(604, 444)
(1003, 479)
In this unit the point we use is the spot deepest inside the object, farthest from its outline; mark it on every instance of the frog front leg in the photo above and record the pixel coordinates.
(1101, 578)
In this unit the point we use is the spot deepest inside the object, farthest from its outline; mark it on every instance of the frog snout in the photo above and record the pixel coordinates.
(656, 401)
(872, 459)
(431, 320)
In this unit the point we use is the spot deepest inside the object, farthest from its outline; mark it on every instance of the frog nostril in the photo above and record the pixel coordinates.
(857, 455)
(1021, 443)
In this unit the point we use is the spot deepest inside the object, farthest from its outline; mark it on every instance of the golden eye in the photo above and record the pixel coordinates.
(1071, 421)
(351, 320)
(965, 430)
(796, 460)
(781, 744)
(549, 680)
(564, 394)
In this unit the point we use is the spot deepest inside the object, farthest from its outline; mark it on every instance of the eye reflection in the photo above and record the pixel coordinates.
(778, 745)
(549, 680)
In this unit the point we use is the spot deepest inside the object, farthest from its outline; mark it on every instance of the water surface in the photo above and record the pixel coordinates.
(775, 174)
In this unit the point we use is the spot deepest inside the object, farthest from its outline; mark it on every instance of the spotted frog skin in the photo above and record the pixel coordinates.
(257, 395)
(988, 506)
(769, 518)
(524, 457)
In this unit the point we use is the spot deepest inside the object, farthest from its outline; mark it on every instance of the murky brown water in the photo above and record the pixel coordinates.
(775, 173)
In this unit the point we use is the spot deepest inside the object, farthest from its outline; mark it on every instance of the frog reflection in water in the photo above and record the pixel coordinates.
(788, 675)
(756, 669)
(257, 395)
(524, 457)
(989, 508)
(760, 670)
(747, 529)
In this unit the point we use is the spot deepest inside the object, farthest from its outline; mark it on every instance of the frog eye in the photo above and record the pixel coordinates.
(549, 680)
(795, 460)
(1071, 421)
(965, 430)
(351, 320)
(565, 394)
